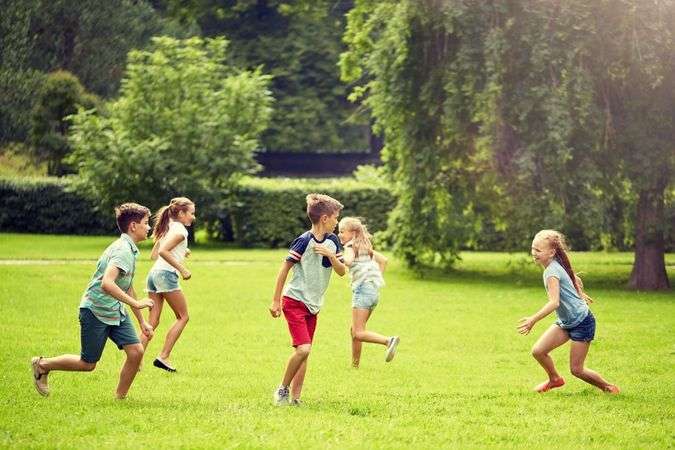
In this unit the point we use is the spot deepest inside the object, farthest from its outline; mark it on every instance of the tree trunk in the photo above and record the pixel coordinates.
(649, 268)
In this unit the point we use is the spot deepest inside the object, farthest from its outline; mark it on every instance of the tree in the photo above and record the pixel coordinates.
(59, 97)
(186, 123)
(520, 114)
(298, 43)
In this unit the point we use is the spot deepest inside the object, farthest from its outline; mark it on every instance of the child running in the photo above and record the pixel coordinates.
(575, 320)
(365, 269)
(313, 255)
(169, 251)
(102, 315)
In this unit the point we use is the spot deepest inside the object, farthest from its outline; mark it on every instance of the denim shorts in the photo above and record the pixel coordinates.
(162, 281)
(93, 334)
(585, 331)
(365, 295)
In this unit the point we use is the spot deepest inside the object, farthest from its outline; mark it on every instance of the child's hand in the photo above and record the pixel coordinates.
(187, 253)
(275, 309)
(145, 303)
(323, 250)
(186, 274)
(147, 329)
(525, 325)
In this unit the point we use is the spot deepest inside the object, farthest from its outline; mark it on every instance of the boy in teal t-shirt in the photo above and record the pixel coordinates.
(102, 314)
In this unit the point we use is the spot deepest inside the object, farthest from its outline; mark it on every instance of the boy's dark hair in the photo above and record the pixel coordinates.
(320, 204)
(129, 212)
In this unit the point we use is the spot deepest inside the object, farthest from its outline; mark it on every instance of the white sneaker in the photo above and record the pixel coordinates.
(281, 396)
(391, 348)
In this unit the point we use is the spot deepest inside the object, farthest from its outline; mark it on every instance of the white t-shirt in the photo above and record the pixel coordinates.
(178, 252)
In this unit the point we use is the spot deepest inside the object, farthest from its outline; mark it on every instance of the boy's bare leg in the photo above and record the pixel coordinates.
(298, 380)
(129, 369)
(72, 363)
(296, 360)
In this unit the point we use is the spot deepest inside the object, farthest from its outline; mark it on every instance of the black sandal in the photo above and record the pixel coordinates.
(162, 365)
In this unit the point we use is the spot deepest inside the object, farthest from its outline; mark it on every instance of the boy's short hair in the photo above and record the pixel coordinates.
(129, 212)
(320, 204)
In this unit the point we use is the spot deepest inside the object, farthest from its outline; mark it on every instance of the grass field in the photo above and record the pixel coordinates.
(462, 376)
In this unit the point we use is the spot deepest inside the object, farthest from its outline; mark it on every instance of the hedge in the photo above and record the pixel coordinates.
(44, 205)
(262, 212)
(272, 211)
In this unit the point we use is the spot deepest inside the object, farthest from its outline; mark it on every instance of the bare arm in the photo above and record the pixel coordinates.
(527, 323)
(338, 266)
(146, 328)
(275, 309)
(349, 256)
(109, 287)
(154, 254)
(381, 260)
(168, 244)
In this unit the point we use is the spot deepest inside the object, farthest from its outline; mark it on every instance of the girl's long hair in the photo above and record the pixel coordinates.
(361, 243)
(558, 242)
(165, 213)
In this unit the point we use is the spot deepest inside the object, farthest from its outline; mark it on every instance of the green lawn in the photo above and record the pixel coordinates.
(462, 376)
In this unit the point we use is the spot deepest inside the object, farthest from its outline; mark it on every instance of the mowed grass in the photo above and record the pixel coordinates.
(462, 376)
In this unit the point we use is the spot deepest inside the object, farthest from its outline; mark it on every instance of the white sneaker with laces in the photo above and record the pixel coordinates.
(281, 396)
(391, 348)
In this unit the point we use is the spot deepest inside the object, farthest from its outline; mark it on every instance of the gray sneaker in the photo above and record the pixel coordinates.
(281, 396)
(391, 348)
(39, 379)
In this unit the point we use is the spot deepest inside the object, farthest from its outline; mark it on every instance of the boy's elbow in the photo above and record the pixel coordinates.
(106, 286)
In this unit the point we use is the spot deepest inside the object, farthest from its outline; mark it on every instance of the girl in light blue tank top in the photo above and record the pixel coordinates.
(575, 322)
(365, 270)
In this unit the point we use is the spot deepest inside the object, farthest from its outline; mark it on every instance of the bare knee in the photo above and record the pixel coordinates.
(87, 366)
(538, 352)
(303, 350)
(135, 353)
(577, 370)
(185, 319)
(359, 335)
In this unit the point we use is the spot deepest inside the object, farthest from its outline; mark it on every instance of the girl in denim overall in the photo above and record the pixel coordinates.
(365, 270)
(575, 321)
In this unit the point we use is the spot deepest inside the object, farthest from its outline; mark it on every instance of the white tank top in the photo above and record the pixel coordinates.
(178, 252)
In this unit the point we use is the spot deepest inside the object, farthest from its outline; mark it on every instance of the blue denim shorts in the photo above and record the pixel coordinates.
(365, 296)
(94, 333)
(162, 281)
(585, 331)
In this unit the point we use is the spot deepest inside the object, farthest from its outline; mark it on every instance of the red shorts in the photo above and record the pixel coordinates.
(301, 322)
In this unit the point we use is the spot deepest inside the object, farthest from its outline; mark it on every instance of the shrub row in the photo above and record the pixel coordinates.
(261, 212)
(44, 205)
(272, 211)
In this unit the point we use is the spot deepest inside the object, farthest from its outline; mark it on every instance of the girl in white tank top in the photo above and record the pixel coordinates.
(169, 253)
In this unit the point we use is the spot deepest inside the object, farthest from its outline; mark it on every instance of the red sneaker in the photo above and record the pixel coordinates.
(548, 385)
(611, 389)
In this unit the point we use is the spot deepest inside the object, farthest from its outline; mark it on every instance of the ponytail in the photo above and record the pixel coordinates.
(165, 213)
(161, 219)
(558, 243)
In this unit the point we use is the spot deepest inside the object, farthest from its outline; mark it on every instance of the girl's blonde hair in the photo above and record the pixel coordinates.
(558, 242)
(361, 243)
(167, 212)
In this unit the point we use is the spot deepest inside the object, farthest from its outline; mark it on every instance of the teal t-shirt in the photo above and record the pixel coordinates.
(572, 309)
(122, 254)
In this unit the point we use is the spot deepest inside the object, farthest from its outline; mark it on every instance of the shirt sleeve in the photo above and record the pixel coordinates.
(339, 254)
(122, 260)
(297, 249)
